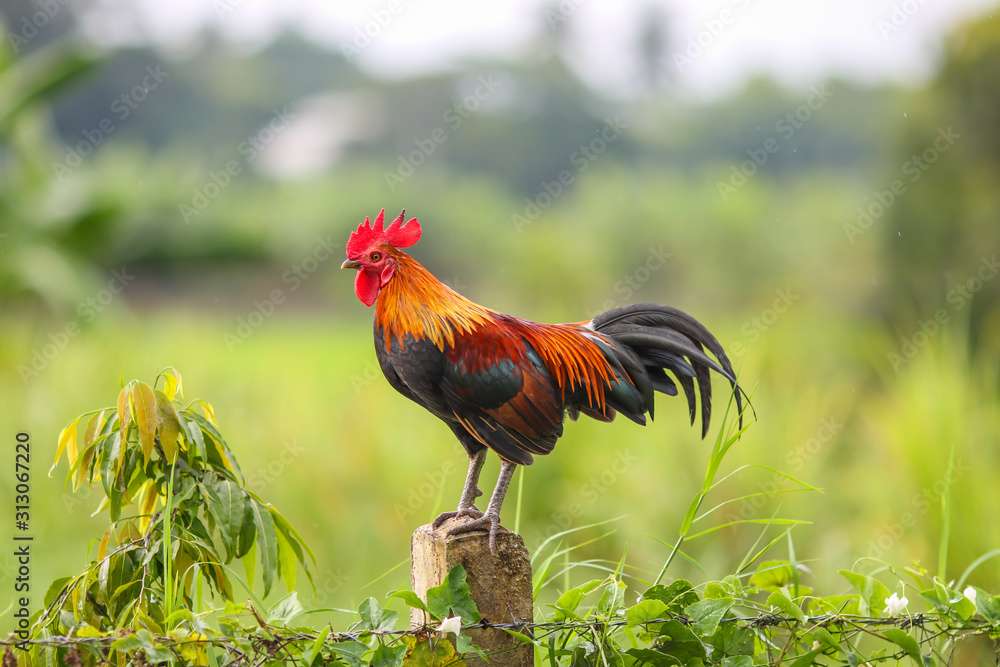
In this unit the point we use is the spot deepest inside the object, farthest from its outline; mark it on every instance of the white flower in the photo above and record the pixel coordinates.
(452, 625)
(970, 594)
(895, 605)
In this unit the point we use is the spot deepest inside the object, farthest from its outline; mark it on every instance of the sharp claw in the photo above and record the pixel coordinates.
(486, 520)
(461, 511)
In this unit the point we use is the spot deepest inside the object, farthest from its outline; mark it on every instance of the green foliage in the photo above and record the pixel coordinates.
(179, 514)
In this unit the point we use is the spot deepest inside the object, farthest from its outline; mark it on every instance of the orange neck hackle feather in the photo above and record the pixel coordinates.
(415, 303)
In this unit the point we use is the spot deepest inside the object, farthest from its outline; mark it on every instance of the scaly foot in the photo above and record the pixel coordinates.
(469, 511)
(490, 520)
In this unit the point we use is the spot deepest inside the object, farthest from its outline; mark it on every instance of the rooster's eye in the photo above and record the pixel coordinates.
(376, 256)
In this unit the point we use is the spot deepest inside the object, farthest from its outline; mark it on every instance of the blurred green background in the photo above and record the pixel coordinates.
(188, 207)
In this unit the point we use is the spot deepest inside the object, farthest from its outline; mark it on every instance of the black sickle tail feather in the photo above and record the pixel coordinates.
(655, 339)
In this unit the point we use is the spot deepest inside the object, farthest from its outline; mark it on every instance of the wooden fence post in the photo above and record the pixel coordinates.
(500, 584)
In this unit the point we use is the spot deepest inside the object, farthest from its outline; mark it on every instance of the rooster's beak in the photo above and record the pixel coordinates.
(350, 264)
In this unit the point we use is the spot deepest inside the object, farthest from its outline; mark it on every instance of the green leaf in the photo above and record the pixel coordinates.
(772, 574)
(645, 611)
(784, 602)
(678, 641)
(316, 648)
(464, 645)
(286, 562)
(873, 592)
(905, 642)
(55, 589)
(453, 597)
(733, 640)
(285, 610)
(267, 544)
(737, 661)
(676, 596)
(295, 541)
(807, 659)
(988, 605)
(374, 617)
(352, 652)
(648, 656)
(228, 507)
(389, 656)
(410, 598)
(706, 614)
(248, 531)
(568, 602)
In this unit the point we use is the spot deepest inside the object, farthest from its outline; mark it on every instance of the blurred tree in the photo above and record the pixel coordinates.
(33, 25)
(43, 228)
(653, 44)
(942, 231)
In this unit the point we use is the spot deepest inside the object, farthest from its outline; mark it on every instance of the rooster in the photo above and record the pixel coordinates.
(504, 384)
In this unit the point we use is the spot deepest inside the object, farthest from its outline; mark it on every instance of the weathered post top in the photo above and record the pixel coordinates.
(500, 583)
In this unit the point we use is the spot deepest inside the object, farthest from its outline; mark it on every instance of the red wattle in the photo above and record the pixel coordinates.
(366, 287)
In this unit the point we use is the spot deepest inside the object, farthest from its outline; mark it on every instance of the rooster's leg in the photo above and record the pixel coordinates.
(470, 491)
(491, 519)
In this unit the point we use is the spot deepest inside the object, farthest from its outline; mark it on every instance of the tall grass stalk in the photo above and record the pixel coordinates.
(719, 449)
(946, 514)
(168, 575)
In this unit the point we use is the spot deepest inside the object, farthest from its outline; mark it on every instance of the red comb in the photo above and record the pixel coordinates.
(398, 234)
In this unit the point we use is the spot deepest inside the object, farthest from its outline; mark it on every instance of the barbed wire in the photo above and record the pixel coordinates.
(276, 640)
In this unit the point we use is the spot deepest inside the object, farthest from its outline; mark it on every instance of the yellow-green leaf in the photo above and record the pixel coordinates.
(95, 426)
(101, 506)
(146, 418)
(147, 502)
(102, 548)
(88, 631)
(170, 425)
(209, 411)
(124, 411)
(67, 444)
(83, 468)
(173, 384)
(286, 562)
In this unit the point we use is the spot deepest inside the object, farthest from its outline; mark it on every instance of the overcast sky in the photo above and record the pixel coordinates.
(715, 43)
